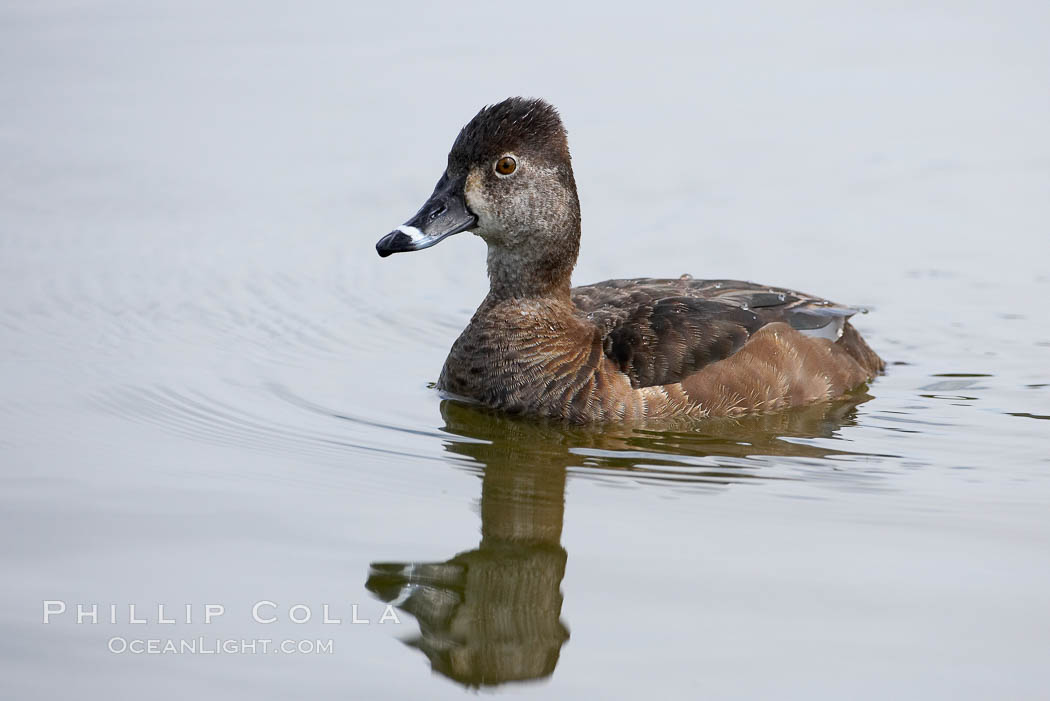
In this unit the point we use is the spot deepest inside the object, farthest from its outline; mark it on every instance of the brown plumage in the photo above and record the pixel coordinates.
(620, 350)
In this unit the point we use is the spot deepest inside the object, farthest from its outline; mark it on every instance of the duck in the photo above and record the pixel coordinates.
(618, 351)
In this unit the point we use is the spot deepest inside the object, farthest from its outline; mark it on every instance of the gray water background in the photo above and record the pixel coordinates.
(215, 392)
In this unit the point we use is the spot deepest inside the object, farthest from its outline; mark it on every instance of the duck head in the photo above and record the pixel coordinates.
(508, 180)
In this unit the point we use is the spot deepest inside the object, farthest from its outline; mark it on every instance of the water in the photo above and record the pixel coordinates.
(215, 393)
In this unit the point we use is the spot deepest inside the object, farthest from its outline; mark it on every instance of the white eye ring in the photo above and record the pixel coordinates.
(507, 160)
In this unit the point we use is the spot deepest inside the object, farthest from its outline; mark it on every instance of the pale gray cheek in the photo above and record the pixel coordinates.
(483, 210)
(515, 214)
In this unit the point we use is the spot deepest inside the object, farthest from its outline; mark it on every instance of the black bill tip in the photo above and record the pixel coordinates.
(395, 242)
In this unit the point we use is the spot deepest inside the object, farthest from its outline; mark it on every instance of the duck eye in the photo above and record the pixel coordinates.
(506, 165)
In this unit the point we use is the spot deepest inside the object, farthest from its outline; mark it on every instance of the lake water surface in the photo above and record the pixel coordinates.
(216, 394)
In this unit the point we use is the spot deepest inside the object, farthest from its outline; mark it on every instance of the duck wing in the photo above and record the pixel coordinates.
(659, 331)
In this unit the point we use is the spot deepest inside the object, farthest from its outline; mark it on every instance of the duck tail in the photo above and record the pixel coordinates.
(860, 351)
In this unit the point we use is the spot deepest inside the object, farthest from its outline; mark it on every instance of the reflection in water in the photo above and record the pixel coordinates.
(492, 614)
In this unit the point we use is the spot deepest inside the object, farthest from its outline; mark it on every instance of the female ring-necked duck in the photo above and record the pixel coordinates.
(619, 350)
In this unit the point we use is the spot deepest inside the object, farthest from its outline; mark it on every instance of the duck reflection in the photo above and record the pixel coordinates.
(493, 614)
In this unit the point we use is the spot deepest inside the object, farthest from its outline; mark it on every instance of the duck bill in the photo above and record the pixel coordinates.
(444, 214)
